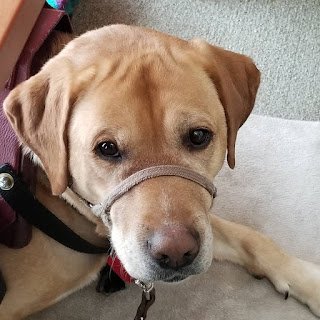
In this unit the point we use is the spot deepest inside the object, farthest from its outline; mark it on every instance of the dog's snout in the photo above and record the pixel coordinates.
(174, 247)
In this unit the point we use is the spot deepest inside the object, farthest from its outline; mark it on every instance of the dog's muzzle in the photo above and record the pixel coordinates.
(102, 210)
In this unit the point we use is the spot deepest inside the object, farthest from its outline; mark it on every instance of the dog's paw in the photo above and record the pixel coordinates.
(300, 279)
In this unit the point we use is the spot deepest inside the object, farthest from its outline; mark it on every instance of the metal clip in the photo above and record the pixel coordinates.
(146, 287)
(148, 298)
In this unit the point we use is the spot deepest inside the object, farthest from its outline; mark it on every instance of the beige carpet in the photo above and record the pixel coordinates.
(275, 189)
(276, 185)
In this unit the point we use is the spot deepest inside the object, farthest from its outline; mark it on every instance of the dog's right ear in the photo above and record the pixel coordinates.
(39, 110)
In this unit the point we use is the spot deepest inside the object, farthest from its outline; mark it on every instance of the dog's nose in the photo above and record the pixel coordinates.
(174, 247)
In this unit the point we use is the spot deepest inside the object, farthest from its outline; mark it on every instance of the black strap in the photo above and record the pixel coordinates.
(24, 203)
(3, 288)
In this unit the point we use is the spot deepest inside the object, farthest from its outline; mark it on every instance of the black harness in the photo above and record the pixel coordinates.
(24, 203)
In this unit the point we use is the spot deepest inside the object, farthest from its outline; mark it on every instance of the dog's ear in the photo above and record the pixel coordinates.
(236, 79)
(39, 110)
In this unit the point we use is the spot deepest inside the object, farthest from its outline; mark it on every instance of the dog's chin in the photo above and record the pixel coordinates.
(175, 279)
(167, 279)
(168, 276)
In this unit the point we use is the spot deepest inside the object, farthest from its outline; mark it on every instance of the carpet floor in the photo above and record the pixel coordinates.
(282, 36)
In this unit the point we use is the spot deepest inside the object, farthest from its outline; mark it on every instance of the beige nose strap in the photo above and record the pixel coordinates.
(102, 210)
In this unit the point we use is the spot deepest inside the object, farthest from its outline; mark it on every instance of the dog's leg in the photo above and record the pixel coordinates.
(263, 258)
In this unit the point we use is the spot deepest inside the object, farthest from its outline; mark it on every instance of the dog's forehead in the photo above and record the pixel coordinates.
(134, 63)
(117, 41)
(149, 88)
(151, 84)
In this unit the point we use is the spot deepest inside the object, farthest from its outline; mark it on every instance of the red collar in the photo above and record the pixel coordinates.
(116, 265)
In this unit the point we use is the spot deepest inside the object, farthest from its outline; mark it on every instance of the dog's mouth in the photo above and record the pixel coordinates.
(157, 274)
(176, 278)
(139, 263)
(168, 276)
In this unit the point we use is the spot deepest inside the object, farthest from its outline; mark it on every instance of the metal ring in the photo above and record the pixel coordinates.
(6, 181)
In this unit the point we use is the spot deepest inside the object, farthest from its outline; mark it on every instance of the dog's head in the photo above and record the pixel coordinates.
(120, 99)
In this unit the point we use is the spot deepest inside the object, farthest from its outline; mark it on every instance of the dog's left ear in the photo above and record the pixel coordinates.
(236, 79)
(39, 110)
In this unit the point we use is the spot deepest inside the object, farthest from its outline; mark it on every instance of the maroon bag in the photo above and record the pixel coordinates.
(15, 232)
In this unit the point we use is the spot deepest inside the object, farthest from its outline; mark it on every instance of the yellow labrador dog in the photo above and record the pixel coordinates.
(117, 100)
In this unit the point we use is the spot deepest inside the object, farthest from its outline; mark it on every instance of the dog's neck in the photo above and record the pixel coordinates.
(69, 196)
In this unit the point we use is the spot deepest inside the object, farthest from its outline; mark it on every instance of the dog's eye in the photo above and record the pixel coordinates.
(199, 138)
(108, 149)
